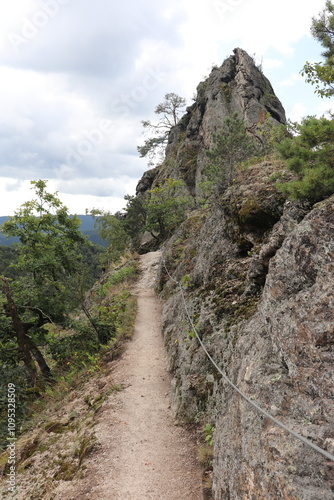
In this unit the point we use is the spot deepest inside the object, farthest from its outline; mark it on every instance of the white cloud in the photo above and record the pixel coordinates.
(269, 63)
(292, 80)
(77, 195)
(83, 64)
(261, 25)
(107, 187)
(325, 108)
(298, 111)
(13, 193)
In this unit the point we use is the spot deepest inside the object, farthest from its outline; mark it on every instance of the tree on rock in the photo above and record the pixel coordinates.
(232, 145)
(169, 111)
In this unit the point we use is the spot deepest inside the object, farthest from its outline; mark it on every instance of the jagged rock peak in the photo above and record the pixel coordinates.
(250, 92)
(237, 86)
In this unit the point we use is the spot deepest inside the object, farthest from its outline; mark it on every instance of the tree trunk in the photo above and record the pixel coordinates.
(90, 319)
(20, 333)
(46, 372)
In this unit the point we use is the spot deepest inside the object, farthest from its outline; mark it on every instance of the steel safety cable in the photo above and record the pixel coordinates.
(246, 398)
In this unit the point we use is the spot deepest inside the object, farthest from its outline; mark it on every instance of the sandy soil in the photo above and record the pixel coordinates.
(143, 453)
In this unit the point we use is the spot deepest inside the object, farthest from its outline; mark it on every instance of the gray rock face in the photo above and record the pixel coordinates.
(238, 86)
(257, 273)
(283, 359)
(146, 181)
(276, 346)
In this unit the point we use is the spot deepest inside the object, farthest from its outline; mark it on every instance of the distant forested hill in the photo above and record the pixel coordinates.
(87, 227)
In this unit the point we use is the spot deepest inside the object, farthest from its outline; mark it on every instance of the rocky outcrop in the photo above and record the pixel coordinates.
(283, 358)
(274, 340)
(266, 317)
(146, 181)
(257, 272)
(238, 86)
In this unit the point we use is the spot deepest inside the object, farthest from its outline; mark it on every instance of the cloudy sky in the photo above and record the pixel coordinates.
(78, 76)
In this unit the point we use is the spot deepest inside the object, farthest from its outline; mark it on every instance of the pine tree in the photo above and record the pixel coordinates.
(232, 145)
(310, 154)
(321, 74)
(169, 112)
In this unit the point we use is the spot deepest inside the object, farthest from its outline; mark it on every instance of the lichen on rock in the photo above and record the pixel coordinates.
(257, 272)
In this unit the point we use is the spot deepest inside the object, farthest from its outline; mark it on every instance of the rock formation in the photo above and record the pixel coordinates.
(274, 339)
(238, 86)
(257, 274)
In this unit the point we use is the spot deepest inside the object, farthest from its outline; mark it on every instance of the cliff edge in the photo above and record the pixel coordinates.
(237, 86)
(256, 271)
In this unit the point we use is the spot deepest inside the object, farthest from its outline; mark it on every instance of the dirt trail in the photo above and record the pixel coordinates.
(144, 455)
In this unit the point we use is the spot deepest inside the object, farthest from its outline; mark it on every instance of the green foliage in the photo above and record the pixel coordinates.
(74, 350)
(153, 146)
(232, 145)
(169, 111)
(270, 134)
(111, 298)
(166, 207)
(321, 74)
(46, 231)
(134, 219)
(227, 91)
(208, 433)
(111, 229)
(80, 346)
(159, 212)
(9, 350)
(122, 274)
(108, 316)
(49, 255)
(48, 280)
(8, 259)
(310, 154)
(91, 269)
(186, 281)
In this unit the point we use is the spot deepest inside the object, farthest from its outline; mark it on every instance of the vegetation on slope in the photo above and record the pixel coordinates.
(55, 421)
(50, 331)
(51, 335)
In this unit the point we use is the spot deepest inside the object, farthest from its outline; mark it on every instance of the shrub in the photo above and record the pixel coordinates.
(310, 155)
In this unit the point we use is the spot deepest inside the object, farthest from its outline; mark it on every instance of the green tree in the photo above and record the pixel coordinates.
(169, 111)
(8, 256)
(134, 219)
(310, 154)
(166, 207)
(49, 262)
(321, 74)
(111, 229)
(232, 145)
